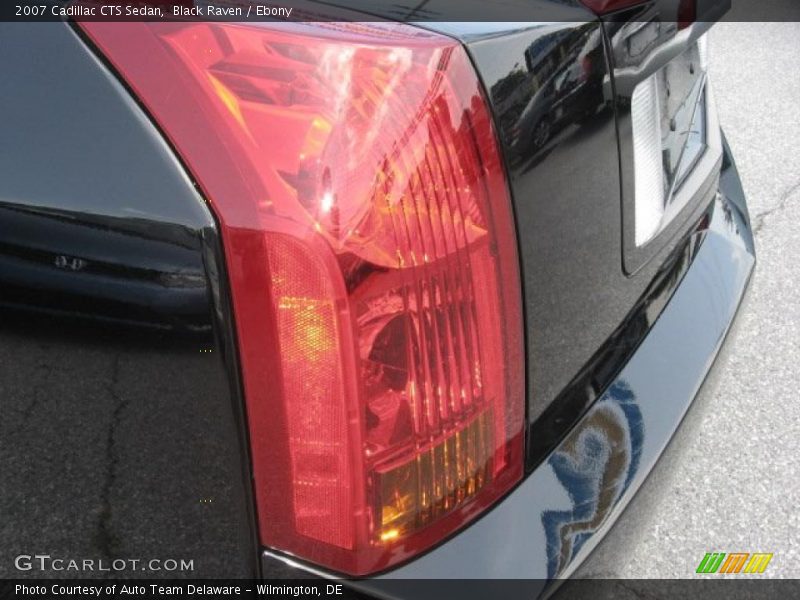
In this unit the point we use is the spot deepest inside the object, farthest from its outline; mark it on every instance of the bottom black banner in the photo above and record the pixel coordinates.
(597, 589)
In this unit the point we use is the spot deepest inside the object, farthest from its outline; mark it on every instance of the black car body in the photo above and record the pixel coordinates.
(125, 428)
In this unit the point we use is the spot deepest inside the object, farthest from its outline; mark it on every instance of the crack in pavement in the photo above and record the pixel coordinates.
(107, 540)
(39, 388)
(760, 218)
(641, 594)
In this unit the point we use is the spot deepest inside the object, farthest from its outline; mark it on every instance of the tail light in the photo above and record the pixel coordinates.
(687, 13)
(603, 7)
(371, 253)
(686, 9)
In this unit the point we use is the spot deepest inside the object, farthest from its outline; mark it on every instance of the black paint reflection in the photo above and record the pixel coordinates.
(595, 464)
(566, 195)
(558, 82)
(121, 434)
(99, 268)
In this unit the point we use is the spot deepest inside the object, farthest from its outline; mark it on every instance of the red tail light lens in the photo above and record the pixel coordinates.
(603, 7)
(371, 252)
(687, 13)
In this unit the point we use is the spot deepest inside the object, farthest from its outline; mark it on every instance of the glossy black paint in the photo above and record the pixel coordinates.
(582, 307)
(599, 373)
(128, 270)
(566, 198)
(122, 432)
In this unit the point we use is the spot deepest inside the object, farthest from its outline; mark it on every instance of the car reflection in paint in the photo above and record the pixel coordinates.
(560, 84)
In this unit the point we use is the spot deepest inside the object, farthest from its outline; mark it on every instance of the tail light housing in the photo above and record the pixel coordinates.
(371, 252)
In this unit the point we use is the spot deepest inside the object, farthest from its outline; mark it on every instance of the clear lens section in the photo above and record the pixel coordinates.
(647, 159)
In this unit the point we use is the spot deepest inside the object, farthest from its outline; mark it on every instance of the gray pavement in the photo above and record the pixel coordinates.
(736, 487)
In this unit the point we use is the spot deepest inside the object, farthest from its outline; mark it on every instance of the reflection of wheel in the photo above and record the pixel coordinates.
(541, 134)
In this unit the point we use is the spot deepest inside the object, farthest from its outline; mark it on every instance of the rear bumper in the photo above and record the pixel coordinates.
(547, 527)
